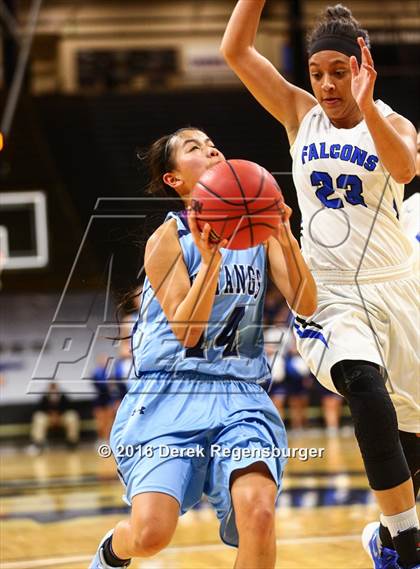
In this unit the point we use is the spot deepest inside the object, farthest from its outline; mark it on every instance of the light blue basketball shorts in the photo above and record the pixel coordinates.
(184, 435)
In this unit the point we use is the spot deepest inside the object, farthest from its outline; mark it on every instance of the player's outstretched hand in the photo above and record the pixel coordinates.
(363, 78)
(283, 233)
(209, 250)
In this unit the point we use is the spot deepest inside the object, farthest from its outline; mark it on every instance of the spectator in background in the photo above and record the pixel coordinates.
(103, 405)
(124, 363)
(332, 405)
(273, 343)
(298, 381)
(54, 410)
(292, 380)
(291, 377)
(276, 311)
(117, 383)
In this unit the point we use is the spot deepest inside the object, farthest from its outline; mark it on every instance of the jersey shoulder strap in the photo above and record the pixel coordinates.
(384, 109)
(181, 221)
(313, 112)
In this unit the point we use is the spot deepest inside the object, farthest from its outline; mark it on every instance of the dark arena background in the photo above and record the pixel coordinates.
(85, 87)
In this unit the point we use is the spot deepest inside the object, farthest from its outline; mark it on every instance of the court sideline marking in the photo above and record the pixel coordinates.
(53, 561)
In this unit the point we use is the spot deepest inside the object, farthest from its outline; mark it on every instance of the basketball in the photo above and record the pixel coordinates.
(240, 200)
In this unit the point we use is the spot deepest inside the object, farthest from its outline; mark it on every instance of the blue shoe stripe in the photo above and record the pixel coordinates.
(314, 334)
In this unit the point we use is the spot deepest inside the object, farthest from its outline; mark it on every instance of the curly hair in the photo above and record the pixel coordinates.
(337, 20)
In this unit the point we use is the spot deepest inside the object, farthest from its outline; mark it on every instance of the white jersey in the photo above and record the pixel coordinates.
(350, 205)
(410, 219)
(410, 222)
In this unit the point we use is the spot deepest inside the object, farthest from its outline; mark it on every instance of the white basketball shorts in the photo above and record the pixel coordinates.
(376, 320)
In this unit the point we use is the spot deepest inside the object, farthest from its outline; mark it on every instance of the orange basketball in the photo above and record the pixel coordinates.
(240, 200)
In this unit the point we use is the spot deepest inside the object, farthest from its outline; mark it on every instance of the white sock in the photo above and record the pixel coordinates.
(401, 522)
(383, 520)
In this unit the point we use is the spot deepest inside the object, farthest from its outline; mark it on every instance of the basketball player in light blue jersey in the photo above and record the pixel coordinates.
(196, 419)
(352, 156)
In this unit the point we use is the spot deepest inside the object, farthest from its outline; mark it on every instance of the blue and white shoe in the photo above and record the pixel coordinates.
(98, 562)
(382, 557)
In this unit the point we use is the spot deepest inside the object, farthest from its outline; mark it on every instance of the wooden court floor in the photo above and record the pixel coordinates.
(55, 507)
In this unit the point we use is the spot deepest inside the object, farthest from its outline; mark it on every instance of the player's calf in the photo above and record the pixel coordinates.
(253, 494)
(386, 467)
(105, 557)
(411, 447)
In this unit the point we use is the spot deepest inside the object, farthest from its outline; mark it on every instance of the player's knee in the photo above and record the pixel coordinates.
(375, 422)
(365, 391)
(352, 377)
(256, 519)
(262, 520)
(150, 540)
(363, 386)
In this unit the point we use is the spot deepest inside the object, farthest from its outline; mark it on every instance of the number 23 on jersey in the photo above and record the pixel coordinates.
(351, 183)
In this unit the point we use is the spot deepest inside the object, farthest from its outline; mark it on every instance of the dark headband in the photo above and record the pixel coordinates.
(342, 43)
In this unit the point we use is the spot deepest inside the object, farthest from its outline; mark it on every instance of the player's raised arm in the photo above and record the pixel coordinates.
(187, 306)
(286, 102)
(394, 136)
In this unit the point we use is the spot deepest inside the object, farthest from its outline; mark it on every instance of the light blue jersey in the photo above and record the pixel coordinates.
(232, 344)
(186, 405)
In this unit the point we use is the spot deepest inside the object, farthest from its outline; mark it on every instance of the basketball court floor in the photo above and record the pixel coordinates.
(56, 507)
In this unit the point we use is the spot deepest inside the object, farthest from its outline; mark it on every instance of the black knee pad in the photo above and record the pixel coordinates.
(411, 446)
(375, 422)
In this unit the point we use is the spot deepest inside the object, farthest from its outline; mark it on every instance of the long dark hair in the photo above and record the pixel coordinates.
(336, 20)
(157, 159)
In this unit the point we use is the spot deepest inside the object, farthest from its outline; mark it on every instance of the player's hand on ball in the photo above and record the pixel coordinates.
(208, 249)
(283, 233)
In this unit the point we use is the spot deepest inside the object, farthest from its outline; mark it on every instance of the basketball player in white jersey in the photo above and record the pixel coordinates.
(410, 222)
(410, 212)
(351, 157)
